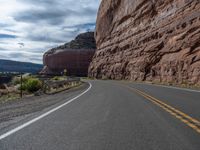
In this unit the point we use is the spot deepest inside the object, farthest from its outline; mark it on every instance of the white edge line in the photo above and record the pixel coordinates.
(171, 87)
(183, 89)
(41, 116)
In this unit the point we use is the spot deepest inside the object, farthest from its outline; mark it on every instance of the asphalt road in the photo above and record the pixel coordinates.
(111, 115)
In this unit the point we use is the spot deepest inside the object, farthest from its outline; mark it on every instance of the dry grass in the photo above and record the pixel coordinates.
(63, 88)
(9, 97)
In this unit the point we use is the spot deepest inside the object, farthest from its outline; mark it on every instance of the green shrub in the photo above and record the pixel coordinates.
(56, 78)
(23, 87)
(33, 85)
(17, 80)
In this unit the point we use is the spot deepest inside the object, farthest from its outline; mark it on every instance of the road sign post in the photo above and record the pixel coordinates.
(21, 94)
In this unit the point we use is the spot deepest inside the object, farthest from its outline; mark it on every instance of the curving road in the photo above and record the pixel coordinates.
(111, 115)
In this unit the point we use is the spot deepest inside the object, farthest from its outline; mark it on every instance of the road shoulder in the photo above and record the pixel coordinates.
(15, 111)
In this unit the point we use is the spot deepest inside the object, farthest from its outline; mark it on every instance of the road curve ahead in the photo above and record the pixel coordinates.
(114, 115)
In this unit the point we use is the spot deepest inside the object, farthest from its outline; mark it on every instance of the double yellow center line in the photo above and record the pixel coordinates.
(191, 122)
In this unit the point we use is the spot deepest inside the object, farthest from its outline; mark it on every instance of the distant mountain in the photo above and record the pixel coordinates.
(15, 66)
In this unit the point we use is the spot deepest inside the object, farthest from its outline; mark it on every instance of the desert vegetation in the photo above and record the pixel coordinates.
(31, 85)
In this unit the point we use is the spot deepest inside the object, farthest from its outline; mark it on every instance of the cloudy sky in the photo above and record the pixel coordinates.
(30, 27)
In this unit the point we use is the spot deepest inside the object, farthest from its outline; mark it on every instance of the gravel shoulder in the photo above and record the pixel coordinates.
(13, 111)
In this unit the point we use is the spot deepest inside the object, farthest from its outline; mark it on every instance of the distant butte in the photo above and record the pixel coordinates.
(74, 56)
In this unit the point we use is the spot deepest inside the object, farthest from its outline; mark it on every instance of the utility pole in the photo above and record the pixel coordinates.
(21, 94)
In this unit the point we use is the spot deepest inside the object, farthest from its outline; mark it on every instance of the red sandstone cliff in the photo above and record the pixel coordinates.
(155, 40)
(74, 56)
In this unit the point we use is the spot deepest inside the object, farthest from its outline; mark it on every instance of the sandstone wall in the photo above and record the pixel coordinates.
(74, 56)
(75, 61)
(155, 40)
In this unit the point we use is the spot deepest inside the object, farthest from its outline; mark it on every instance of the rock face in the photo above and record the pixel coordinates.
(74, 56)
(153, 40)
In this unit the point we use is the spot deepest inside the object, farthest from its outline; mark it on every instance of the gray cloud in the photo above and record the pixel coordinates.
(53, 17)
(3, 24)
(43, 24)
(82, 26)
(2, 49)
(54, 12)
(17, 55)
(21, 45)
(44, 38)
(40, 2)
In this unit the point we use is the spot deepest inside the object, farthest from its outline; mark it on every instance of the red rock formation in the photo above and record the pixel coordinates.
(74, 56)
(155, 40)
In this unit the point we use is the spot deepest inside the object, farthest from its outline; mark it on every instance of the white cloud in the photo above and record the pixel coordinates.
(42, 24)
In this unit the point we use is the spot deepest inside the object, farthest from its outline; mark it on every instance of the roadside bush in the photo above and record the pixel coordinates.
(17, 80)
(33, 85)
(23, 87)
(56, 78)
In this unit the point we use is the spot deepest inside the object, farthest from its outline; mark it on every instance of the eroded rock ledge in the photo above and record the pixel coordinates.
(148, 40)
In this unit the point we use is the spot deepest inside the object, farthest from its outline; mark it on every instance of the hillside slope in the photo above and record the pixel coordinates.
(15, 66)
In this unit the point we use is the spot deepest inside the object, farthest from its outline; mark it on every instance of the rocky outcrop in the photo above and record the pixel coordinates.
(74, 56)
(153, 40)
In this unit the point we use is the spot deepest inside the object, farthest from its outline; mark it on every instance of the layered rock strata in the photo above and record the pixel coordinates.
(74, 56)
(153, 40)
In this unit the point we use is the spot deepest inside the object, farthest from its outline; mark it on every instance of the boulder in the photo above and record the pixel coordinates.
(148, 40)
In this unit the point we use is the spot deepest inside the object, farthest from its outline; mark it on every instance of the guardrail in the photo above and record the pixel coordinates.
(51, 87)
